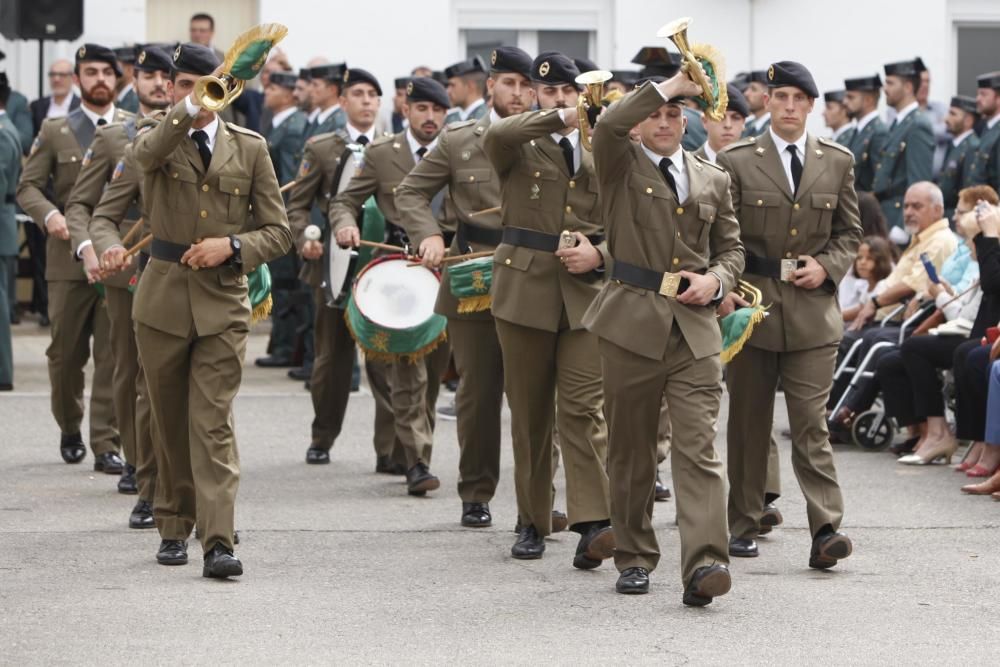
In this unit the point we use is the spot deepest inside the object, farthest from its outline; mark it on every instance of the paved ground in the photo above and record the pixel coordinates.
(343, 567)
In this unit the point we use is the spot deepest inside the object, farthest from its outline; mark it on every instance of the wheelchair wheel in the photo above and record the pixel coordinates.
(873, 430)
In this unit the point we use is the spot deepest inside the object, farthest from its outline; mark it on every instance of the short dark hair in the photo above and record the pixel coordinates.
(201, 16)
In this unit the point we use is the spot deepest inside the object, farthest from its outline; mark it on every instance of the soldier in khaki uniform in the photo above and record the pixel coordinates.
(459, 163)
(192, 310)
(798, 211)
(76, 308)
(675, 242)
(152, 73)
(552, 370)
(320, 172)
(387, 161)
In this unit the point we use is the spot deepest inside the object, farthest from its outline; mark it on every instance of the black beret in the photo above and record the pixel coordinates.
(790, 73)
(192, 58)
(741, 80)
(98, 53)
(965, 103)
(426, 89)
(470, 66)
(401, 82)
(355, 76)
(283, 79)
(125, 54)
(759, 76)
(988, 80)
(554, 68)
(737, 102)
(865, 83)
(331, 73)
(305, 74)
(510, 59)
(439, 77)
(625, 76)
(153, 59)
(907, 68)
(585, 65)
(834, 96)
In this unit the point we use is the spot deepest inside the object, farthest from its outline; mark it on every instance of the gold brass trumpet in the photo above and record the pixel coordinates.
(243, 61)
(592, 97)
(215, 93)
(711, 75)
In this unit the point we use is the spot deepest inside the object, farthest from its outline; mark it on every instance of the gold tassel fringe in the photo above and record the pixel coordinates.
(474, 304)
(389, 357)
(274, 32)
(261, 310)
(734, 349)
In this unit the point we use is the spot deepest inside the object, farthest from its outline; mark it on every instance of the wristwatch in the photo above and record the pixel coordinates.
(236, 246)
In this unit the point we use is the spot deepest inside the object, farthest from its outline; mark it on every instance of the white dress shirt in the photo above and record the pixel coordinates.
(844, 128)
(993, 121)
(906, 111)
(869, 117)
(758, 123)
(416, 145)
(326, 113)
(676, 168)
(494, 116)
(312, 115)
(574, 138)
(786, 158)
(960, 138)
(59, 109)
(353, 133)
(710, 154)
(280, 117)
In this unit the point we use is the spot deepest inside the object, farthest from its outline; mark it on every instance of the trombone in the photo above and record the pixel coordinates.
(592, 98)
(703, 64)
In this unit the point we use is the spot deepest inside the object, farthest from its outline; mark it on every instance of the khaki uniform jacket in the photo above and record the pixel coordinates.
(821, 221)
(48, 178)
(187, 203)
(459, 163)
(531, 287)
(649, 228)
(99, 163)
(314, 185)
(121, 199)
(387, 161)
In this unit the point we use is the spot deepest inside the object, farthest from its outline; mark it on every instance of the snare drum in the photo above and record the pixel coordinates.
(391, 310)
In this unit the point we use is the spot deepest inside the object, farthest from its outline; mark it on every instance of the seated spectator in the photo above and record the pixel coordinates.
(989, 451)
(867, 275)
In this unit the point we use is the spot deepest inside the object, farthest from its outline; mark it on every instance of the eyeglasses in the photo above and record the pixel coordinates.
(59, 75)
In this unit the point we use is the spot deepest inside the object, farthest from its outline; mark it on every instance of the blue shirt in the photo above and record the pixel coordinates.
(959, 269)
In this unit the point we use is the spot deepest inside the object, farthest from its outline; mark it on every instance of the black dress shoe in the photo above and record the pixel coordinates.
(905, 447)
(302, 374)
(828, 548)
(71, 447)
(385, 466)
(109, 463)
(220, 563)
(661, 492)
(633, 581)
(142, 515)
(271, 361)
(742, 548)
(6, 386)
(529, 545)
(709, 581)
(770, 519)
(126, 483)
(596, 545)
(315, 455)
(172, 552)
(476, 515)
(419, 480)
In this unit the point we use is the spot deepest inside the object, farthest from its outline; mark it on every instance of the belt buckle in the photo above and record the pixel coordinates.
(670, 284)
(788, 268)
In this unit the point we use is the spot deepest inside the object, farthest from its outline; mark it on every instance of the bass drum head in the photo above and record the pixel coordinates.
(338, 271)
(395, 295)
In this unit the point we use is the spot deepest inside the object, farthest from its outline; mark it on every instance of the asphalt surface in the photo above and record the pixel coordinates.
(342, 567)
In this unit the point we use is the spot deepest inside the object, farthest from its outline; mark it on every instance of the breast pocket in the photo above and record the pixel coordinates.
(237, 191)
(68, 167)
(469, 187)
(823, 206)
(538, 183)
(647, 195)
(183, 188)
(757, 207)
(697, 231)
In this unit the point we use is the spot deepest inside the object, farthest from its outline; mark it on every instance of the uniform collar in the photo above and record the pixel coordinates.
(758, 122)
(677, 158)
(781, 145)
(326, 113)
(416, 145)
(93, 116)
(710, 154)
(906, 111)
(494, 116)
(844, 128)
(574, 137)
(867, 118)
(280, 117)
(354, 133)
(464, 113)
(960, 138)
(125, 91)
(991, 123)
(212, 129)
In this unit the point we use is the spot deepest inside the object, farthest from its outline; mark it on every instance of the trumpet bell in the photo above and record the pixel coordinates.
(703, 64)
(216, 93)
(593, 83)
(675, 27)
(594, 78)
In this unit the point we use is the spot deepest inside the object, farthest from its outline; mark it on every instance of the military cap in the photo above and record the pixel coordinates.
(625, 76)
(737, 102)
(356, 75)
(305, 74)
(426, 89)
(834, 96)
(790, 73)
(470, 66)
(657, 61)
(554, 68)
(401, 82)
(510, 59)
(919, 62)
(585, 64)
(905, 68)
(989, 80)
(741, 80)
(439, 76)
(331, 73)
(965, 103)
(192, 58)
(98, 53)
(125, 54)
(864, 83)
(284, 79)
(153, 59)
(759, 76)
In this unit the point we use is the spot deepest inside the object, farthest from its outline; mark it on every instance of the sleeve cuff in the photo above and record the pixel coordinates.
(192, 108)
(50, 214)
(79, 248)
(719, 294)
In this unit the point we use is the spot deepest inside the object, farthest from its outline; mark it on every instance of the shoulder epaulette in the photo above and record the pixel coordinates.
(742, 143)
(384, 139)
(243, 130)
(833, 144)
(461, 123)
(708, 162)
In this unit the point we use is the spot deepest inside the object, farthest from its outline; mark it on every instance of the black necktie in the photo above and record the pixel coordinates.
(892, 126)
(421, 152)
(101, 121)
(362, 140)
(567, 149)
(665, 170)
(796, 167)
(201, 138)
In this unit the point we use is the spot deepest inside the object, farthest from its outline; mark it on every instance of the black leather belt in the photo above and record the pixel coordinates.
(782, 269)
(529, 238)
(167, 251)
(667, 284)
(143, 260)
(468, 233)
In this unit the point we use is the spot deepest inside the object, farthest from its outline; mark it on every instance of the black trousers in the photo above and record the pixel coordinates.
(923, 357)
(897, 392)
(36, 250)
(971, 368)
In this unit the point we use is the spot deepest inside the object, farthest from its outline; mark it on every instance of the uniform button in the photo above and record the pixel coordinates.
(788, 255)
(794, 232)
(760, 202)
(680, 210)
(73, 159)
(204, 214)
(236, 191)
(796, 206)
(678, 234)
(472, 178)
(204, 188)
(649, 191)
(569, 209)
(537, 174)
(572, 184)
(676, 261)
(828, 204)
(175, 121)
(507, 261)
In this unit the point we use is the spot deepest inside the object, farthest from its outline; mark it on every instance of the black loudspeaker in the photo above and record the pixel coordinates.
(41, 19)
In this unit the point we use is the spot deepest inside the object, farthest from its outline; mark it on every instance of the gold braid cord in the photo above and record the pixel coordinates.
(273, 32)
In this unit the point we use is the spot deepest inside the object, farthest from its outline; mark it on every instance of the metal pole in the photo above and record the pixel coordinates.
(41, 65)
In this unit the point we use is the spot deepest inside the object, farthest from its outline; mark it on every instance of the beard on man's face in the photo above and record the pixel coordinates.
(98, 94)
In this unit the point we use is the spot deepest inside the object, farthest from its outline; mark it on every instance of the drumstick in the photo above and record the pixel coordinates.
(132, 232)
(287, 186)
(485, 211)
(382, 246)
(461, 258)
(139, 246)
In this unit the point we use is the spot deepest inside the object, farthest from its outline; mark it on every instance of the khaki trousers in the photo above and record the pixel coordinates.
(414, 392)
(556, 377)
(634, 387)
(126, 367)
(806, 377)
(78, 313)
(145, 440)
